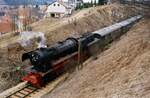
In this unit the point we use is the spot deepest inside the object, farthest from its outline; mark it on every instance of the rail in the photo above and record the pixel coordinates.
(24, 90)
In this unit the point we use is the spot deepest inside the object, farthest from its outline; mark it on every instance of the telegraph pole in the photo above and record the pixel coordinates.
(79, 50)
(79, 56)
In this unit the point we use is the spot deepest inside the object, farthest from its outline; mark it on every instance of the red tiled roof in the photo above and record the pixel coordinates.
(6, 24)
(5, 27)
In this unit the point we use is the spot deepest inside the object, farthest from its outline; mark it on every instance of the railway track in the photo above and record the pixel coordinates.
(24, 90)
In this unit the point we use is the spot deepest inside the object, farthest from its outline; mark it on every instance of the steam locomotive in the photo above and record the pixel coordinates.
(47, 63)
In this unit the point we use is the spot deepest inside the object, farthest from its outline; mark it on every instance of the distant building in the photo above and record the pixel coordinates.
(2, 14)
(79, 2)
(58, 9)
(75, 3)
(42, 8)
(3, 9)
(6, 24)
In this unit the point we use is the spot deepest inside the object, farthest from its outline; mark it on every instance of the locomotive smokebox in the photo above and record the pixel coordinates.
(38, 56)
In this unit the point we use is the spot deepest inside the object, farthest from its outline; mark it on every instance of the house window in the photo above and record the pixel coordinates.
(58, 4)
(54, 4)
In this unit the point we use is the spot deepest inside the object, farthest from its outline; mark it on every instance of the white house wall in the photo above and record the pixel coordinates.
(58, 8)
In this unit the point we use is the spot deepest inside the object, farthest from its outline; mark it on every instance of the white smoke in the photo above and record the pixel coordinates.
(42, 40)
(25, 38)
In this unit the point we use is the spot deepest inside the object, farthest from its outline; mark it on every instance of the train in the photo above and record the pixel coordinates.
(46, 63)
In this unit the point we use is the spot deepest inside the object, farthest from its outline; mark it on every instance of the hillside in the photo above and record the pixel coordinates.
(122, 71)
(87, 20)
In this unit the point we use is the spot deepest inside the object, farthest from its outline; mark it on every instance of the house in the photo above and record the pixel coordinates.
(58, 9)
(3, 9)
(75, 3)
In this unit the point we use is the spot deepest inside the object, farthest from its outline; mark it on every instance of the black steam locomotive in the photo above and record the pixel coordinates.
(43, 60)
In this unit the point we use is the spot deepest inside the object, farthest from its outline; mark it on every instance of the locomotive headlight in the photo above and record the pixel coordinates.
(35, 57)
(38, 57)
(32, 55)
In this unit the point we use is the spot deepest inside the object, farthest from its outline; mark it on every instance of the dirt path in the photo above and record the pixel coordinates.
(120, 72)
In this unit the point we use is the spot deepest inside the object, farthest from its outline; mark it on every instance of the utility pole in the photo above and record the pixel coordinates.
(80, 66)
(79, 50)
